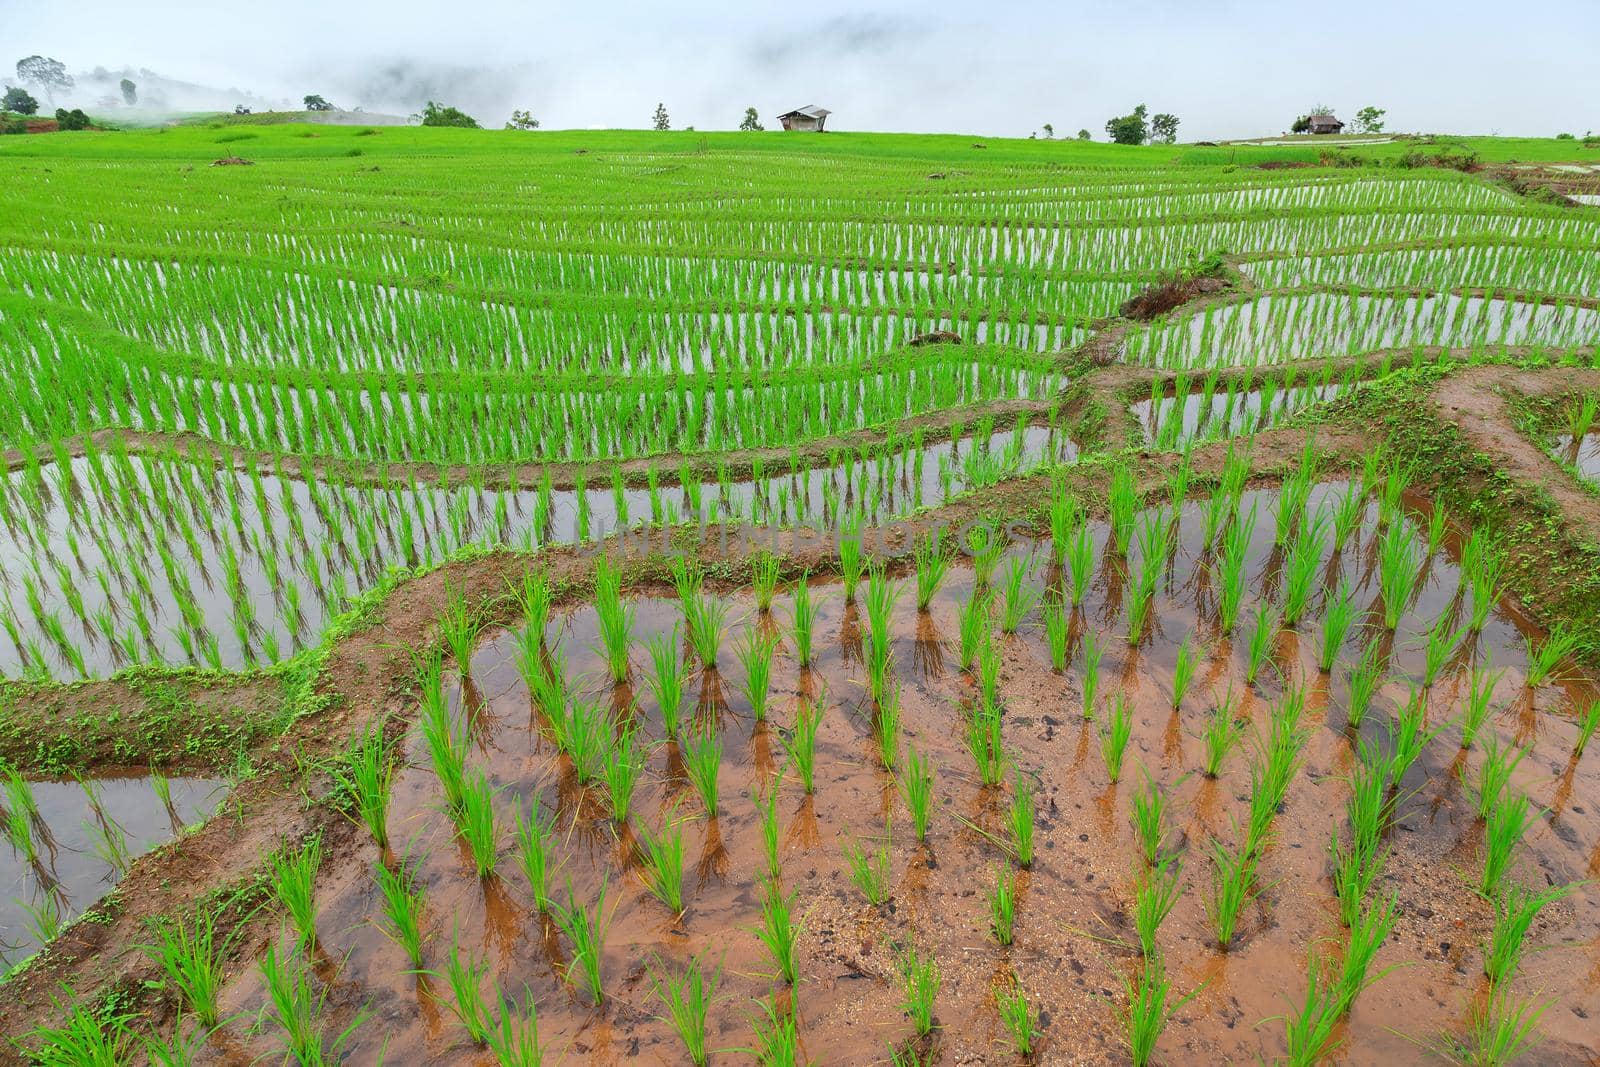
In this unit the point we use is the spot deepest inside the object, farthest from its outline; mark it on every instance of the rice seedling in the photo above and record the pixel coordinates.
(702, 760)
(1020, 819)
(1154, 897)
(1233, 887)
(532, 835)
(1338, 616)
(1545, 655)
(804, 621)
(705, 618)
(687, 1000)
(1114, 739)
(1494, 774)
(1310, 1035)
(1183, 671)
(1230, 575)
(1483, 574)
(584, 734)
(1347, 514)
(1399, 569)
(1263, 639)
(1125, 502)
(624, 764)
(366, 775)
(663, 863)
(1003, 906)
(1092, 655)
(459, 628)
(870, 871)
(514, 1038)
(755, 654)
(297, 1009)
(920, 980)
(972, 626)
(614, 619)
(1300, 567)
(1410, 734)
(1150, 1007)
(294, 876)
(1053, 614)
(1080, 562)
(475, 825)
(1066, 515)
(403, 904)
(764, 570)
(670, 678)
(916, 787)
(777, 1036)
(1358, 865)
(1500, 1031)
(1441, 645)
(888, 728)
(1016, 1015)
(587, 933)
(463, 975)
(986, 546)
(535, 597)
(1149, 820)
(1362, 685)
(1588, 723)
(989, 671)
(1515, 910)
(191, 959)
(986, 743)
(779, 932)
(1368, 932)
(85, 1038)
(851, 564)
(1507, 821)
(1018, 598)
(932, 565)
(801, 744)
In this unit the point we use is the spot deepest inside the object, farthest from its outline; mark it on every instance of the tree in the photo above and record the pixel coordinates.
(19, 100)
(317, 103)
(50, 75)
(1085, 135)
(752, 121)
(522, 120)
(1130, 128)
(1301, 125)
(130, 92)
(1049, 131)
(1370, 120)
(439, 115)
(661, 120)
(71, 120)
(1163, 128)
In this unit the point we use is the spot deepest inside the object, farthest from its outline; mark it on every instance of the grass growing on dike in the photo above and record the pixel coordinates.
(1217, 618)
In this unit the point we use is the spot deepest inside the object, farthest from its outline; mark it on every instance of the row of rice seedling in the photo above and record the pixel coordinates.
(1235, 408)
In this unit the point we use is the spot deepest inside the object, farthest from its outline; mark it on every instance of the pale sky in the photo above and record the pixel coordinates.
(1001, 68)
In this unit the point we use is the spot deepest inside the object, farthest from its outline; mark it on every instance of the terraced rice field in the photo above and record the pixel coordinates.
(605, 597)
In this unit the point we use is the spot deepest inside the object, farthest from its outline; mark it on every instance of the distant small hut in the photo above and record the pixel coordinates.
(811, 117)
(1324, 124)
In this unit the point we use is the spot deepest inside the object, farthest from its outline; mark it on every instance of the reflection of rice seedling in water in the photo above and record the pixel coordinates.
(587, 933)
(764, 579)
(1003, 906)
(1153, 900)
(663, 863)
(687, 1001)
(972, 625)
(1016, 1015)
(932, 564)
(403, 903)
(916, 786)
(755, 654)
(1543, 656)
(1368, 932)
(670, 676)
(366, 774)
(1222, 733)
(191, 960)
(294, 876)
(1149, 1008)
(1114, 739)
(1020, 819)
(532, 835)
(1019, 598)
(702, 758)
(1515, 910)
(870, 871)
(920, 980)
(45, 919)
(1262, 639)
(1507, 821)
(805, 618)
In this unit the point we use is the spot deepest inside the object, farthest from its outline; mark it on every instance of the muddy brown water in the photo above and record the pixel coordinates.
(1072, 946)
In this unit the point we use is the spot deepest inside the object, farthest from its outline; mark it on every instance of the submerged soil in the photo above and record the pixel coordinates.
(1072, 947)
